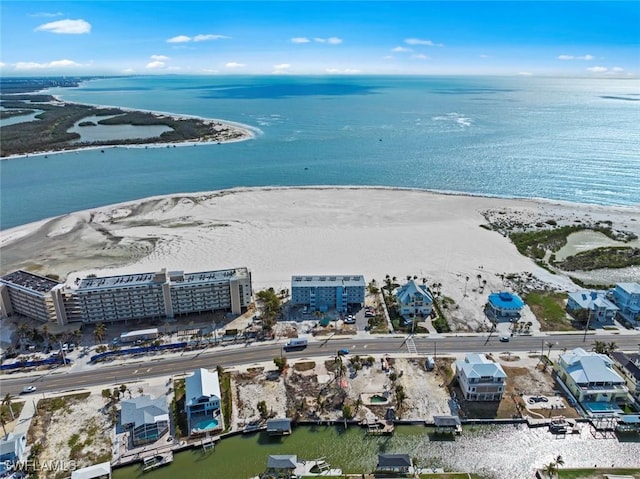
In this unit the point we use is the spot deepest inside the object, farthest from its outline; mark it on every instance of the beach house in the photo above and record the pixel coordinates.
(480, 379)
(628, 365)
(414, 298)
(12, 451)
(147, 419)
(203, 402)
(322, 293)
(591, 378)
(627, 298)
(591, 306)
(504, 306)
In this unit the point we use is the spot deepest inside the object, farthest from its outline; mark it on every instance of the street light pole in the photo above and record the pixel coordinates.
(584, 338)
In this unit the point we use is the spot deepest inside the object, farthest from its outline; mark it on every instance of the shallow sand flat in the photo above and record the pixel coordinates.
(278, 232)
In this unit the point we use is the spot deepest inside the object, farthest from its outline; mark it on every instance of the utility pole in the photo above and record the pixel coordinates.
(584, 338)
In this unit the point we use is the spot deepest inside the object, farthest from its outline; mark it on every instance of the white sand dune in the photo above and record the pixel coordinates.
(278, 232)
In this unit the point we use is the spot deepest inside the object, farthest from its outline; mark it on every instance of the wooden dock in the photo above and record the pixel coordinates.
(158, 460)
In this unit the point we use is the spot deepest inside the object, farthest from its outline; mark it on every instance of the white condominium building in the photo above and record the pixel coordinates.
(119, 298)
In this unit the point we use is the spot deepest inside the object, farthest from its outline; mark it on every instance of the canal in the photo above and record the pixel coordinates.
(495, 451)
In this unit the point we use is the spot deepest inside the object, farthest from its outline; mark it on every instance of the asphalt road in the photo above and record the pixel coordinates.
(144, 368)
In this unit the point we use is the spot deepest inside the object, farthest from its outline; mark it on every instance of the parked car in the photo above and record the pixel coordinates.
(350, 319)
(28, 389)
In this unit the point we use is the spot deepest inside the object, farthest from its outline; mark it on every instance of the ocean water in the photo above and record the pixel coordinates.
(565, 139)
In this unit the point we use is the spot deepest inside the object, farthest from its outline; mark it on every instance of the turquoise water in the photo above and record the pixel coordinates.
(601, 407)
(207, 425)
(557, 138)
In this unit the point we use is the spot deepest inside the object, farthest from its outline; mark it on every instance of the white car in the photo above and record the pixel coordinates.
(504, 339)
(28, 389)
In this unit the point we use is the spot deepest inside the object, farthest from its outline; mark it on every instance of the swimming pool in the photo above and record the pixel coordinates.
(206, 425)
(601, 407)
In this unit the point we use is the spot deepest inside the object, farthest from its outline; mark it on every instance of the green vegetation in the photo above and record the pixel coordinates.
(305, 366)
(536, 243)
(596, 473)
(548, 308)
(605, 257)
(177, 406)
(281, 363)
(227, 398)
(271, 307)
(49, 131)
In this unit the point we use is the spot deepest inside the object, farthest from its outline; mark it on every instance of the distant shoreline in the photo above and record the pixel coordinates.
(217, 131)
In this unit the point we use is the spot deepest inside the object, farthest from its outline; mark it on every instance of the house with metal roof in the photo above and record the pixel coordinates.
(480, 379)
(203, 402)
(146, 418)
(591, 377)
(12, 451)
(592, 306)
(394, 463)
(628, 365)
(504, 306)
(414, 298)
(627, 298)
(97, 471)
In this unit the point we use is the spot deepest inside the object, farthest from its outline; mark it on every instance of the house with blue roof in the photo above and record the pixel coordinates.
(592, 306)
(480, 379)
(414, 299)
(203, 402)
(147, 418)
(626, 296)
(591, 378)
(504, 306)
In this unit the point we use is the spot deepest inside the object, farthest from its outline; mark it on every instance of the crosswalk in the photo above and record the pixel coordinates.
(411, 346)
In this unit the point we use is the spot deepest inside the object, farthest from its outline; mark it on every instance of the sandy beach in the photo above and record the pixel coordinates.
(278, 232)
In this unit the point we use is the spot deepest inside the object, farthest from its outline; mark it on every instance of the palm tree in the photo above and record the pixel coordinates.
(2, 422)
(550, 469)
(600, 347)
(549, 345)
(559, 462)
(7, 401)
(479, 276)
(466, 279)
(611, 347)
(99, 331)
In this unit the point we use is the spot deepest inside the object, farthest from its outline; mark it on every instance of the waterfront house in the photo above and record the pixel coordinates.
(203, 402)
(627, 298)
(279, 427)
(97, 471)
(394, 463)
(591, 306)
(504, 306)
(321, 293)
(414, 299)
(12, 451)
(146, 418)
(281, 465)
(628, 365)
(591, 377)
(480, 379)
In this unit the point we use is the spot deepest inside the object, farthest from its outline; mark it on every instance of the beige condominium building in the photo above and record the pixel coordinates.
(164, 294)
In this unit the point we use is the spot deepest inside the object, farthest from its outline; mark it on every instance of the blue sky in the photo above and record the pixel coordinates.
(305, 37)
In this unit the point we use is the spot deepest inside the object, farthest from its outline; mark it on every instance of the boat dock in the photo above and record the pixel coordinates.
(152, 462)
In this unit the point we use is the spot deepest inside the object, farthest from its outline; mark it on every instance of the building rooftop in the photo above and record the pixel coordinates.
(629, 362)
(505, 300)
(408, 291)
(592, 299)
(394, 460)
(279, 424)
(632, 288)
(209, 276)
(282, 461)
(30, 281)
(201, 383)
(587, 367)
(143, 410)
(97, 470)
(106, 282)
(336, 280)
(477, 366)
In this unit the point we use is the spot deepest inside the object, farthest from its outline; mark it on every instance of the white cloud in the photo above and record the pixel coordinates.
(319, 40)
(160, 58)
(155, 65)
(420, 56)
(209, 36)
(334, 41)
(128, 70)
(330, 40)
(401, 49)
(44, 66)
(418, 41)
(484, 56)
(179, 39)
(300, 40)
(282, 66)
(346, 71)
(66, 26)
(525, 74)
(597, 69)
(572, 57)
(234, 65)
(617, 69)
(3, 64)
